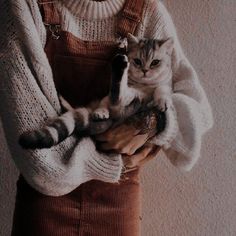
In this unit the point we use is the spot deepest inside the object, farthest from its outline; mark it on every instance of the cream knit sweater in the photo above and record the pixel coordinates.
(28, 96)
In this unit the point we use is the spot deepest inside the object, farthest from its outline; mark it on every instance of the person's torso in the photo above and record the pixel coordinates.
(81, 68)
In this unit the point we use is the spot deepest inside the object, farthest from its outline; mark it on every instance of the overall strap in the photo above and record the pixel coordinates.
(50, 15)
(49, 12)
(130, 17)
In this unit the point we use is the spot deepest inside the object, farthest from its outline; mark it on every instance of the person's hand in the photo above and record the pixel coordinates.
(124, 139)
(145, 154)
(130, 139)
(129, 136)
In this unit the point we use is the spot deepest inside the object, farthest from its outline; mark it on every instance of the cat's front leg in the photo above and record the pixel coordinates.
(162, 98)
(163, 103)
(102, 112)
(119, 81)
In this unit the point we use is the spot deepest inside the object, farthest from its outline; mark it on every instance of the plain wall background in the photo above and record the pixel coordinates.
(203, 201)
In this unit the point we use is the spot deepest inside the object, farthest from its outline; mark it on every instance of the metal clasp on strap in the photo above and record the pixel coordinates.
(119, 37)
(54, 29)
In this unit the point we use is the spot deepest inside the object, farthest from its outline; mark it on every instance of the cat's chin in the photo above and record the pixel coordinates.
(143, 80)
(148, 81)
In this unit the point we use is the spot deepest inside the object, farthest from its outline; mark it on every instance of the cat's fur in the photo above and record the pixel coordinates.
(147, 77)
(144, 76)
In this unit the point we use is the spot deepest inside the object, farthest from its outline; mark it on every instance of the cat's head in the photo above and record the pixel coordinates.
(149, 59)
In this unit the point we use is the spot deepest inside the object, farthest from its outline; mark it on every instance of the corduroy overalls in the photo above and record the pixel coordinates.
(81, 73)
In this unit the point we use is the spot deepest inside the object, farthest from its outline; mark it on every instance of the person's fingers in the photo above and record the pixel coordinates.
(118, 132)
(125, 145)
(126, 162)
(132, 161)
(116, 144)
(141, 155)
(127, 170)
(147, 153)
(155, 150)
(136, 143)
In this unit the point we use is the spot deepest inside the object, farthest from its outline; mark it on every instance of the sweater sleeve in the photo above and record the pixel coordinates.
(28, 98)
(191, 111)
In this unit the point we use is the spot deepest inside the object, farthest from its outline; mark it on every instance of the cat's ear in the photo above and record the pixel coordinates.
(132, 39)
(167, 46)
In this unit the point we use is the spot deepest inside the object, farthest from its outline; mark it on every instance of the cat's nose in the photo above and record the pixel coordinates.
(144, 71)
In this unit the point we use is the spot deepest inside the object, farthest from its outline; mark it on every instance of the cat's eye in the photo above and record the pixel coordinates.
(155, 62)
(137, 61)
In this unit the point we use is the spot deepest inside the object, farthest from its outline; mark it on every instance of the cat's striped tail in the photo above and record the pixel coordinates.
(51, 134)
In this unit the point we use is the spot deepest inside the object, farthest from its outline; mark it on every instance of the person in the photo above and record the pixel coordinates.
(48, 46)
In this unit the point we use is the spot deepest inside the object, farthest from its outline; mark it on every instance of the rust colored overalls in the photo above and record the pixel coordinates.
(81, 73)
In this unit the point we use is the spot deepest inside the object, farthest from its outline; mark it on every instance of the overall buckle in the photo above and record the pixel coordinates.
(54, 29)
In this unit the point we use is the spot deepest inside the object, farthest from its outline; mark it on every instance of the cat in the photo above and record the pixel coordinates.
(146, 76)
(143, 77)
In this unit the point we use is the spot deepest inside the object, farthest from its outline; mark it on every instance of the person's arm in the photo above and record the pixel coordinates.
(191, 115)
(191, 106)
(28, 98)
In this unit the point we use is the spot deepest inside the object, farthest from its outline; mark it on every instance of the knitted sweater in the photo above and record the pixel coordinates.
(28, 96)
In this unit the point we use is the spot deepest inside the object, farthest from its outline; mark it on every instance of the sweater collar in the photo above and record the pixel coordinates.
(94, 10)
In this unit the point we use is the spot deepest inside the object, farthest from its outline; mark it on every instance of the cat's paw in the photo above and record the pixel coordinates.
(163, 104)
(119, 62)
(100, 114)
(123, 43)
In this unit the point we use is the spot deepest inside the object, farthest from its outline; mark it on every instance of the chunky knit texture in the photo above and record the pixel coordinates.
(28, 96)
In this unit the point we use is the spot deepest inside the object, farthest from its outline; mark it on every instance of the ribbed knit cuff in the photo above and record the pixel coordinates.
(97, 165)
(185, 148)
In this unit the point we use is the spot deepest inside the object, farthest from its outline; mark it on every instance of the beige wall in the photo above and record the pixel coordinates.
(203, 201)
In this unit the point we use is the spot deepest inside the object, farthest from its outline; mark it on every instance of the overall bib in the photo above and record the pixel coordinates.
(81, 73)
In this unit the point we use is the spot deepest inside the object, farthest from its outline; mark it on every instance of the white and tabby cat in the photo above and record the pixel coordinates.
(147, 76)
(142, 77)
